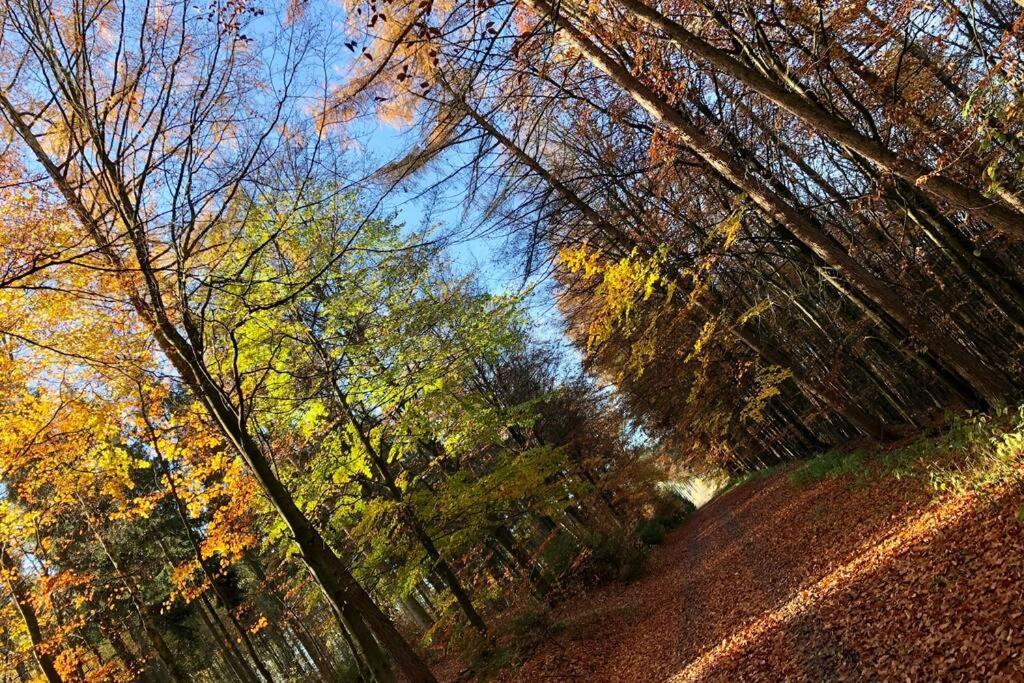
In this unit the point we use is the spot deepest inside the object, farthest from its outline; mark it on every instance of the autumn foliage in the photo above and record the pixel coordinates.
(260, 422)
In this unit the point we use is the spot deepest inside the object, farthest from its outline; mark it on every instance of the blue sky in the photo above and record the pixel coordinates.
(472, 250)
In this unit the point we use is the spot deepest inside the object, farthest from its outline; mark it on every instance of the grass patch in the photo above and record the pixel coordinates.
(830, 465)
(974, 451)
(748, 477)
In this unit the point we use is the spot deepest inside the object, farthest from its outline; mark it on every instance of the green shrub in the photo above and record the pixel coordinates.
(829, 466)
(530, 622)
(985, 451)
(670, 509)
(650, 532)
(559, 554)
(972, 452)
(611, 558)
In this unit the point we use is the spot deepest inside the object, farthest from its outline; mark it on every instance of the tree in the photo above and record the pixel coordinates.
(124, 125)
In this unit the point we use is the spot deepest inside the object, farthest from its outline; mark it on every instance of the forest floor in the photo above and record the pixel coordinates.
(834, 579)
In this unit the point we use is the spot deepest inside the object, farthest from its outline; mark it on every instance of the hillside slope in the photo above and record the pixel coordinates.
(832, 580)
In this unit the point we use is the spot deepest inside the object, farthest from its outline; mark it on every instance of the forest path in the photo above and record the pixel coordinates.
(835, 580)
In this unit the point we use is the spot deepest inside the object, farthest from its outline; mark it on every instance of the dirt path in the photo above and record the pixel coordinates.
(829, 582)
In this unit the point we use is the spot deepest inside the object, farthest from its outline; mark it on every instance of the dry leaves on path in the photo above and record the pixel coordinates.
(832, 581)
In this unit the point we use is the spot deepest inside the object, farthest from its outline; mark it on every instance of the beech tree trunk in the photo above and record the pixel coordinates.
(218, 590)
(416, 612)
(961, 197)
(23, 602)
(309, 640)
(438, 562)
(223, 641)
(991, 386)
(525, 561)
(412, 520)
(347, 599)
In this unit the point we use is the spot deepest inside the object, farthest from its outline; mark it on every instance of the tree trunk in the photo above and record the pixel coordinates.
(153, 634)
(958, 195)
(367, 654)
(22, 600)
(990, 385)
(817, 392)
(309, 640)
(416, 612)
(322, 662)
(527, 564)
(121, 649)
(223, 640)
(419, 531)
(197, 553)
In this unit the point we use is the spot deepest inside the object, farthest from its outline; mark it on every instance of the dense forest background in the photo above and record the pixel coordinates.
(261, 421)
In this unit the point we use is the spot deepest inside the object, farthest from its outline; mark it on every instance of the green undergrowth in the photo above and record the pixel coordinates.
(668, 511)
(752, 476)
(831, 465)
(578, 563)
(521, 634)
(973, 452)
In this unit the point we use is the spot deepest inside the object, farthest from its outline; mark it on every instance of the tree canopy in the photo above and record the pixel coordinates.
(254, 426)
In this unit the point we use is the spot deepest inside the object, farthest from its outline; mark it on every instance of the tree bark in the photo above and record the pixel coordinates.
(439, 563)
(961, 197)
(412, 520)
(527, 564)
(223, 641)
(22, 600)
(991, 386)
(347, 599)
(152, 631)
(197, 552)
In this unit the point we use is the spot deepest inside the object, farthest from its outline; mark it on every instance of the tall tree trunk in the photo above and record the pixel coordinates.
(888, 326)
(412, 520)
(120, 648)
(223, 640)
(149, 627)
(527, 564)
(424, 592)
(961, 197)
(320, 659)
(197, 552)
(309, 640)
(416, 612)
(347, 599)
(991, 386)
(368, 657)
(23, 602)
(994, 286)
